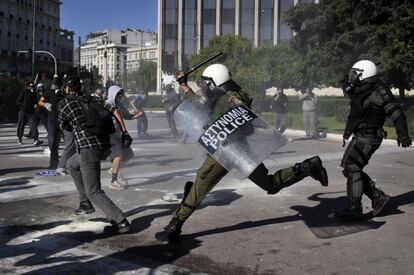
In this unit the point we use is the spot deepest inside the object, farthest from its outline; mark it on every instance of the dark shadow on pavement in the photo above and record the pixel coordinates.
(19, 169)
(14, 184)
(392, 207)
(321, 220)
(24, 152)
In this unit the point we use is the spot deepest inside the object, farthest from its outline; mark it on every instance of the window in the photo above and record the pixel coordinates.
(227, 17)
(266, 22)
(209, 20)
(247, 19)
(285, 33)
(190, 30)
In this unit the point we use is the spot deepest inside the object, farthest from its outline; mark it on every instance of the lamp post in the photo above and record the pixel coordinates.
(44, 52)
(34, 37)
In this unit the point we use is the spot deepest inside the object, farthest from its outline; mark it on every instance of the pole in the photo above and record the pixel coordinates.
(79, 54)
(34, 38)
(46, 52)
(106, 62)
(54, 58)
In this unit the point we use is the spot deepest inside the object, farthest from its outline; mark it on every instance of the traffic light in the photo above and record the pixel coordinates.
(30, 52)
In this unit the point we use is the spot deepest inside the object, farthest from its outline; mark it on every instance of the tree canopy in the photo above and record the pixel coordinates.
(144, 78)
(333, 35)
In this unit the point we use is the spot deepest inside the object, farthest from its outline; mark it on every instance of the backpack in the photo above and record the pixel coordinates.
(98, 120)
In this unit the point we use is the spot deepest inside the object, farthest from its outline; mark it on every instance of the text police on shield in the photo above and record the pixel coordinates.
(226, 125)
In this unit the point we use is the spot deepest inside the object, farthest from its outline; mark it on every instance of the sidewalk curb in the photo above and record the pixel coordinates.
(333, 137)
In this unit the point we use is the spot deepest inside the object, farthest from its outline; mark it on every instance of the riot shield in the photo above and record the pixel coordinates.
(229, 131)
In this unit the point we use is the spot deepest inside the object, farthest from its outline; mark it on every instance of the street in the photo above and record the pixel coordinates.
(238, 229)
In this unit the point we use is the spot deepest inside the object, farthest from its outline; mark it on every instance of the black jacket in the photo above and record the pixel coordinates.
(26, 100)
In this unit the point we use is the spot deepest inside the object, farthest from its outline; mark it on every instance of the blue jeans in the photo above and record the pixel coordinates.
(85, 169)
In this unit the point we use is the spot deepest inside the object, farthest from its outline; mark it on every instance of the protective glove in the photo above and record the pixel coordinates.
(126, 139)
(404, 141)
(181, 78)
(48, 106)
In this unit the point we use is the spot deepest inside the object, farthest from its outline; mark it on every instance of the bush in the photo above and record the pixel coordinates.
(10, 88)
(153, 101)
(341, 113)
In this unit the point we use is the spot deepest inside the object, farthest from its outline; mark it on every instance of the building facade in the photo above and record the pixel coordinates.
(16, 34)
(137, 55)
(108, 51)
(186, 26)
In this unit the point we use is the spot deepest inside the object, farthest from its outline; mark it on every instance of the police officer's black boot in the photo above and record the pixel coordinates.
(353, 212)
(379, 200)
(312, 167)
(171, 233)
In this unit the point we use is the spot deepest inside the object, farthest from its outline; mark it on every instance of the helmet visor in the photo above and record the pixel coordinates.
(207, 82)
(354, 75)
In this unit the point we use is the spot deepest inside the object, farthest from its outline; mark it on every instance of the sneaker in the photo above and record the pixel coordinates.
(37, 142)
(379, 200)
(19, 141)
(62, 171)
(116, 186)
(85, 207)
(123, 181)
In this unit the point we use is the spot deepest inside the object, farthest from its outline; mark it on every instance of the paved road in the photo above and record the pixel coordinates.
(237, 230)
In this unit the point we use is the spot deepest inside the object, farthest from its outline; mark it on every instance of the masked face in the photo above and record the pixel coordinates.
(118, 97)
(354, 76)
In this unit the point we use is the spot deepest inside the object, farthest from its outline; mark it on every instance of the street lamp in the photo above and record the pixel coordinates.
(34, 37)
(44, 52)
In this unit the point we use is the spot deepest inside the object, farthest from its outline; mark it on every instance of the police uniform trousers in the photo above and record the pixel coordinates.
(211, 172)
(355, 158)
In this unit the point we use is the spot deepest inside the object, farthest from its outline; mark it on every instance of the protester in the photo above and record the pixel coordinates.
(118, 152)
(49, 101)
(309, 108)
(171, 100)
(279, 110)
(27, 103)
(142, 122)
(93, 145)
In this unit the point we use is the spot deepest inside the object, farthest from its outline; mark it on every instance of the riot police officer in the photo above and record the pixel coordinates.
(211, 171)
(371, 102)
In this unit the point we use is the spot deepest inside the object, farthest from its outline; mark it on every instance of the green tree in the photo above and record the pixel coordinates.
(144, 78)
(332, 35)
(90, 79)
(236, 51)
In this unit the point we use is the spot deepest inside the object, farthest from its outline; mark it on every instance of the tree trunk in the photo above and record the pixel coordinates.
(401, 92)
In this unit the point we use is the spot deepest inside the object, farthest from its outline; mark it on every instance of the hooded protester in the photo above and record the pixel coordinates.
(92, 141)
(119, 152)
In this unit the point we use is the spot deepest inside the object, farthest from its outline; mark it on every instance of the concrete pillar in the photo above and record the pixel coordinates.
(199, 34)
(237, 17)
(218, 17)
(256, 23)
(180, 35)
(276, 22)
(159, 45)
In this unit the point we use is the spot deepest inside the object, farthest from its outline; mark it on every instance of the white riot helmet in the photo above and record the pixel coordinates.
(362, 70)
(217, 75)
